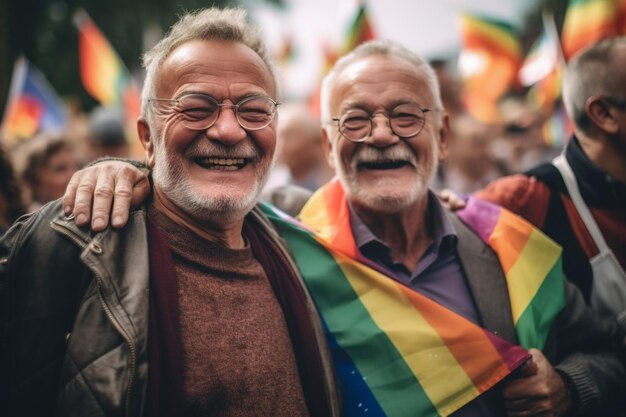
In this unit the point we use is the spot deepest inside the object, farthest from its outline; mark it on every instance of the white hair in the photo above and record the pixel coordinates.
(377, 48)
(212, 24)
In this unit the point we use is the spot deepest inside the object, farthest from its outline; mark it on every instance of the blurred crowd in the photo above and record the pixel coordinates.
(35, 171)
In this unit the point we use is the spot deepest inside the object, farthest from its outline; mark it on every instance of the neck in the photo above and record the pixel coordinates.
(226, 233)
(609, 154)
(405, 232)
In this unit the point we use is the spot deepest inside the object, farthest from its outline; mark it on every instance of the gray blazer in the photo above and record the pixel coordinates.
(579, 345)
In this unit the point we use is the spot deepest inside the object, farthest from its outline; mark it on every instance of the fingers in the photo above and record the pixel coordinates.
(529, 368)
(119, 189)
(451, 200)
(130, 191)
(83, 195)
(70, 194)
(105, 189)
(102, 200)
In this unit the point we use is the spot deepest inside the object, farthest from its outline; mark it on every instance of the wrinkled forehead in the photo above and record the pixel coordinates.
(213, 62)
(380, 81)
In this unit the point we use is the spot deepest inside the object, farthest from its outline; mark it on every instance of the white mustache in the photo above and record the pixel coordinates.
(213, 150)
(373, 155)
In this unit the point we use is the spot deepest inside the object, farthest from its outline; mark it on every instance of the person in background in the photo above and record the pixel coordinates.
(471, 164)
(521, 143)
(300, 148)
(579, 199)
(106, 134)
(300, 166)
(11, 194)
(195, 308)
(385, 132)
(45, 164)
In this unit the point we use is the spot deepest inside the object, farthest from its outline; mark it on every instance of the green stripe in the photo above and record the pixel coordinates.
(389, 378)
(535, 322)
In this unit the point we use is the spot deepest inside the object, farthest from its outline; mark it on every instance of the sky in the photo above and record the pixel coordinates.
(428, 27)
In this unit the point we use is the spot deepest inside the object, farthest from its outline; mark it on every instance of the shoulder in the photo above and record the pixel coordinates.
(289, 198)
(527, 195)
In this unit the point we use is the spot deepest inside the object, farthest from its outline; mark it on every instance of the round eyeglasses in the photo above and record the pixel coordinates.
(201, 111)
(405, 121)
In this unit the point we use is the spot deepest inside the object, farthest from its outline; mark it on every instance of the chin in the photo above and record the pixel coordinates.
(386, 196)
(387, 202)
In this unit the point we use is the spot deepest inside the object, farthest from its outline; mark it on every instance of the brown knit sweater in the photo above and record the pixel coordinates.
(238, 358)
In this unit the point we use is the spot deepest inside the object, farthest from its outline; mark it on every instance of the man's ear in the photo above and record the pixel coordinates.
(145, 136)
(444, 137)
(599, 112)
(328, 148)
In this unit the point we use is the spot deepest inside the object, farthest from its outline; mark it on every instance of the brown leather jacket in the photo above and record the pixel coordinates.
(74, 317)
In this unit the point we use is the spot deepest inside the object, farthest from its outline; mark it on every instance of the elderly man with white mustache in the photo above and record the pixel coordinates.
(384, 131)
(194, 308)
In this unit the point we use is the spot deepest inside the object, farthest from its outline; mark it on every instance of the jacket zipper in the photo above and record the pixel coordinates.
(80, 241)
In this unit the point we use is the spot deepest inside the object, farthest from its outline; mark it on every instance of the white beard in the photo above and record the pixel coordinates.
(386, 195)
(174, 183)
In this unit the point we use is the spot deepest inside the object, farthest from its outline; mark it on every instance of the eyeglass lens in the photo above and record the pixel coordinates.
(406, 121)
(200, 111)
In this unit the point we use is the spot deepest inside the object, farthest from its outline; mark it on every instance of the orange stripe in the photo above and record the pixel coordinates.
(509, 238)
(475, 366)
(338, 217)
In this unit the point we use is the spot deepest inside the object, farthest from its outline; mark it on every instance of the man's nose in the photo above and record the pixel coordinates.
(381, 135)
(226, 128)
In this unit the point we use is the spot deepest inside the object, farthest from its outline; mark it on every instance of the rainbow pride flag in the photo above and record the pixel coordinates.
(106, 78)
(33, 105)
(101, 70)
(397, 352)
(489, 63)
(531, 263)
(360, 29)
(588, 21)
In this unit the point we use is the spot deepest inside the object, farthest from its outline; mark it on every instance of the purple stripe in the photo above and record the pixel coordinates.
(481, 216)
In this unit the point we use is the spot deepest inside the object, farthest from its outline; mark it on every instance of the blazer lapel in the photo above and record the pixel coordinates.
(486, 282)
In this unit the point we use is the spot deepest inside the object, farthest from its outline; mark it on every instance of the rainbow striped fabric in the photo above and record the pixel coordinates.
(101, 70)
(587, 21)
(33, 105)
(360, 29)
(397, 352)
(106, 78)
(531, 263)
(489, 63)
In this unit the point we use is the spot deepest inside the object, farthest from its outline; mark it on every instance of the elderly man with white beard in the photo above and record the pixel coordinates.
(416, 293)
(194, 308)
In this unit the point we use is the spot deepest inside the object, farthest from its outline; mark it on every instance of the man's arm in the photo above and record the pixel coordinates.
(109, 187)
(588, 377)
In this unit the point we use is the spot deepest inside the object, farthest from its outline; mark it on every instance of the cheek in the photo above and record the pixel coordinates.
(265, 139)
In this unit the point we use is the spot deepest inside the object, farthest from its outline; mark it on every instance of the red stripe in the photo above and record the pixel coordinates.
(497, 357)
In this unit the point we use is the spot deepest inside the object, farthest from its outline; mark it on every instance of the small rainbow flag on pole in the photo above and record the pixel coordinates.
(588, 21)
(360, 29)
(32, 106)
(489, 63)
(104, 75)
(101, 70)
(397, 352)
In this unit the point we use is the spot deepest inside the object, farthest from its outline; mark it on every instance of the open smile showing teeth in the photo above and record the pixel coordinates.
(388, 164)
(221, 164)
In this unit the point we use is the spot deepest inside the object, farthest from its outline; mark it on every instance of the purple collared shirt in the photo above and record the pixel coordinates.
(438, 275)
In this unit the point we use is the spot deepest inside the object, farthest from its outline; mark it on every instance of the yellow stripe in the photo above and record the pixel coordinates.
(533, 264)
(497, 34)
(585, 16)
(393, 313)
(315, 215)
